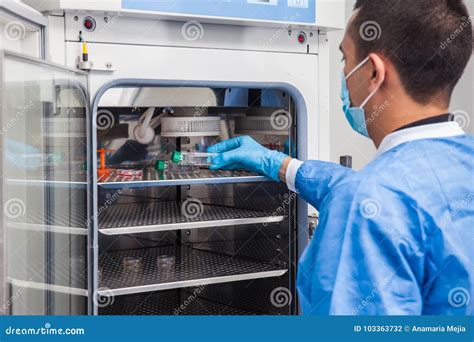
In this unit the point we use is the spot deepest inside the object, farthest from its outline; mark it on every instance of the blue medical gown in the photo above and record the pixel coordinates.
(397, 237)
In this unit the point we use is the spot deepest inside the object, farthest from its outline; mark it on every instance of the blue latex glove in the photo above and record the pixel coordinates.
(244, 152)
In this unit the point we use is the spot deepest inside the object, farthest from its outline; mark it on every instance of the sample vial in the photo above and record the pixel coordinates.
(132, 264)
(165, 262)
(192, 158)
(161, 165)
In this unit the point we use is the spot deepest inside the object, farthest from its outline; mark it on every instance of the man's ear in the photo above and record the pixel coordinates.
(378, 71)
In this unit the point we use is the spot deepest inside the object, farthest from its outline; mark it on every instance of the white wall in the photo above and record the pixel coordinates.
(462, 102)
(344, 140)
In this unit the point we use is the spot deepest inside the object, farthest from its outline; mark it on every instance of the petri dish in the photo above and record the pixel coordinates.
(132, 264)
(165, 262)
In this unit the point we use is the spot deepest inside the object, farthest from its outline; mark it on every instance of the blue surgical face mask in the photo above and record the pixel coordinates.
(355, 115)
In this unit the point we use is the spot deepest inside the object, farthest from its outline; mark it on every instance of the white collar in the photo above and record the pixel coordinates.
(430, 131)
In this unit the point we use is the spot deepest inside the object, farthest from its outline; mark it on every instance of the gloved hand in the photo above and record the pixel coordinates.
(244, 152)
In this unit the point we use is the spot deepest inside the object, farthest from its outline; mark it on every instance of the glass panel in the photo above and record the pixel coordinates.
(19, 36)
(44, 154)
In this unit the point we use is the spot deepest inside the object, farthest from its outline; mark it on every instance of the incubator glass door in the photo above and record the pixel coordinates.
(44, 137)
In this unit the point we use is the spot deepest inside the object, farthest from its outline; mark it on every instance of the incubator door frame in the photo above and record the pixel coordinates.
(299, 104)
(22, 22)
(62, 80)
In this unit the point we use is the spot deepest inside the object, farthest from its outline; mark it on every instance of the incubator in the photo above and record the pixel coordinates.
(152, 233)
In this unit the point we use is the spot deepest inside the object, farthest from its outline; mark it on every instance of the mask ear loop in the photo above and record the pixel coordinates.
(357, 67)
(354, 71)
(373, 93)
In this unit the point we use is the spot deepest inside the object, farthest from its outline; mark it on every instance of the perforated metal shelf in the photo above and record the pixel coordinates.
(268, 249)
(170, 178)
(193, 268)
(162, 216)
(169, 303)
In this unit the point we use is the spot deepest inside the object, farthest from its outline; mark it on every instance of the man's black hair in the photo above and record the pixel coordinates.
(428, 41)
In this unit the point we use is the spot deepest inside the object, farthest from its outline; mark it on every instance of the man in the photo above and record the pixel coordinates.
(397, 237)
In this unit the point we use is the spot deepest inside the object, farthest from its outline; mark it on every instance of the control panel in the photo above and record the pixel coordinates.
(287, 11)
(324, 14)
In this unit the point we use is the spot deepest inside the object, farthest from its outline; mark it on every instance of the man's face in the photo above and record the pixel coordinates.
(358, 83)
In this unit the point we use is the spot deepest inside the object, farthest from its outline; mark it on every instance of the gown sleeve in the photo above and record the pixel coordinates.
(315, 179)
(366, 257)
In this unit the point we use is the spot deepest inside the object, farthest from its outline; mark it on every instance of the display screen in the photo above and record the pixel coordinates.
(296, 11)
(263, 2)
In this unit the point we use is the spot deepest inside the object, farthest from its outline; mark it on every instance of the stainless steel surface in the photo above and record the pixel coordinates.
(202, 176)
(161, 216)
(169, 303)
(260, 125)
(241, 225)
(270, 250)
(198, 125)
(193, 268)
(252, 296)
